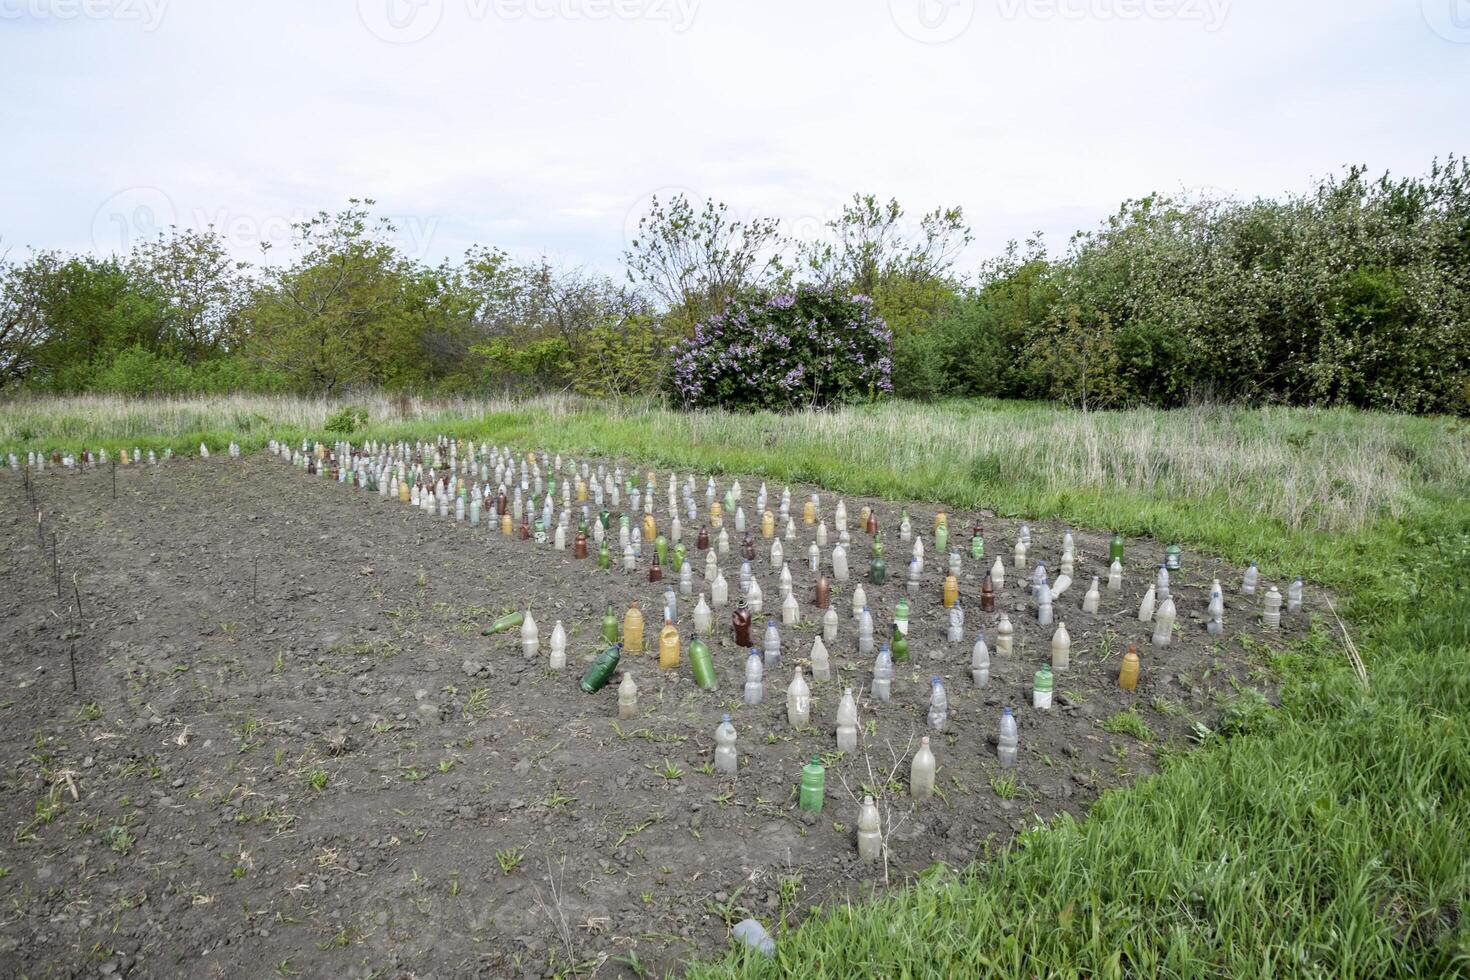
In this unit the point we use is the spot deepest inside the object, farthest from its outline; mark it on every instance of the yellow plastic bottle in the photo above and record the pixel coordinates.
(505, 523)
(716, 514)
(633, 629)
(650, 530)
(403, 491)
(951, 590)
(768, 524)
(1128, 673)
(668, 646)
(808, 513)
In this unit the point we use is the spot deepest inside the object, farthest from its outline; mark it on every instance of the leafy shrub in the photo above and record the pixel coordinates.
(347, 419)
(809, 347)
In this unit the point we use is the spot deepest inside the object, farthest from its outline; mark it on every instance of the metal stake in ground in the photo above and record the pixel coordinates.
(73, 657)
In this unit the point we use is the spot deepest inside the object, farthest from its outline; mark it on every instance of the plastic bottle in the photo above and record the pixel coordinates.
(558, 647)
(798, 701)
(839, 562)
(859, 601)
(847, 722)
(901, 616)
(790, 610)
(1092, 601)
(998, 574)
(921, 771)
(956, 624)
(813, 558)
(1128, 671)
(898, 647)
(813, 786)
(877, 570)
(1250, 580)
(951, 593)
(726, 759)
(754, 598)
(1294, 596)
(980, 662)
(821, 662)
(1162, 584)
(668, 646)
(882, 675)
(1216, 625)
(1115, 576)
(869, 840)
(771, 645)
(1043, 605)
(1146, 607)
(754, 688)
(1115, 548)
(704, 617)
(686, 579)
(530, 636)
(1041, 687)
(1164, 623)
(865, 631)
(778, 554)
(1271, 609)
(1061, 649)
(823, 593)
(1004, 635)
(701, 663)
(1020, 556)
(633, 629)
(938, 704)
(1172, 557)
(627, 697)
(719, 591)
(1007, 746)
(601, 669)
(829, 625)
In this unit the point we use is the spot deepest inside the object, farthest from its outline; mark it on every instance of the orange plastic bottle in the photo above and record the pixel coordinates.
(633, 629)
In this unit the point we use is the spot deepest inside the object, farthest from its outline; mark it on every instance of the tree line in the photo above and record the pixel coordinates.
(1355, 292)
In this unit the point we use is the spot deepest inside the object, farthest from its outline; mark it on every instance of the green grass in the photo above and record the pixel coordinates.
(1329, 836)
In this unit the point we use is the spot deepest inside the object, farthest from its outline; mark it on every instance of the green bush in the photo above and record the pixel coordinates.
(347, 420)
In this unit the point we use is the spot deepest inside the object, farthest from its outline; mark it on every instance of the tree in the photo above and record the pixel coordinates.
(23, 291)
(203, 289)
(697, 261)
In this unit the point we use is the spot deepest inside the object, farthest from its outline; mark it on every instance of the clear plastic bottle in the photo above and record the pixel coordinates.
(627, 698)
(1020, 556)
(754, 688)
(859, 601)
(686, 579)
(1092, 601)
(558, 647)
(755, 598)
(847, 722)
(869, 840)
(726, 759)
(882, 675)
(956, 624)
(704, 617)
(790, 610)
(921, 771)
(1146, 607)
(980, 662)
(1043, 605)
(1061, 649)
(1164, 623)
(1250, 580)
(798, 701)
(1041, 689)
(821, 662)
(1294, 593)
(829, 624)
(1007, 746)
(1216, 625)
(771, 645)
(839, 563)
(938, 705)
(865, 632)
(1271, 609)
(530, 636)
(1005, 635)
(1115, 576)
(998, 574)
(753, 935)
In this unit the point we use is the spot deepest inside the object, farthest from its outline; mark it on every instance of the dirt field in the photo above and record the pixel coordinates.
(291, 752)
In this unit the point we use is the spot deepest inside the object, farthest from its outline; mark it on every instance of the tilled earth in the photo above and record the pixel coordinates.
(291, 752)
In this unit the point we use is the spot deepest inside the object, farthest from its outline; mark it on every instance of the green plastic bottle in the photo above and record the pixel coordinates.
(679, 552)
(878, 548)
(901, 615)
(1115, 548)
(661, 546)
(1172, 556)
(877, 570)
(601, 670)
(977, 547)
(898, 647)
(604, 560)
(702, 663)
(504, 623)
(606, 518)
(609, 625)
(941, 538)
(813, 785)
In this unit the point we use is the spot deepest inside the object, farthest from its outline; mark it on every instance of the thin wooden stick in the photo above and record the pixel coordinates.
(56, 558)
(73, 657)
(77, 589)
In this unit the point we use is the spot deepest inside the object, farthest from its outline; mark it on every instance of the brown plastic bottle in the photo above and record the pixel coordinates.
(740, 620)
(702, 542)
(655, 573)
(872, 522)
(749, 551)
(987, 595)
(824, 592)
(526, 525)
(579, 549)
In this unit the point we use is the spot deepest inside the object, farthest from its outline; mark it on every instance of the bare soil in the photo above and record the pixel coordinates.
(291, 752)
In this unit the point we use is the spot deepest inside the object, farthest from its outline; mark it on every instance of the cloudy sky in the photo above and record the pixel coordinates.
(544, 126)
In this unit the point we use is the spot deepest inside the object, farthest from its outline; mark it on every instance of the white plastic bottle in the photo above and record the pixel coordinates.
(1004, 636)
(980, 662)
(1007, 746)
(1061, 649)
(1146, 607)
(1294, 594)
(1271, 609)
(865, 632)
(627, 698)
(847, 723)
(798, 701)
(1092, 601)
(869, 840)
(704, 617)
(998, 574)
(771, 645)
(754, 688)
(921, 771)
(821, 663)
(530, 636)
(1115, 576)
(839, 563)
(882, 675)
(1164, 623)
(726, 759)
(558, 647)
(829, 624)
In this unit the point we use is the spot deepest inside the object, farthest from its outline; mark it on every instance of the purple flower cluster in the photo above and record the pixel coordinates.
(811, 347)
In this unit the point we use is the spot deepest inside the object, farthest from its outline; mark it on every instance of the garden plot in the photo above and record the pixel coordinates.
(291, 749)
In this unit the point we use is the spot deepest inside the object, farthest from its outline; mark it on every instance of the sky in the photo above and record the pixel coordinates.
(545, 127)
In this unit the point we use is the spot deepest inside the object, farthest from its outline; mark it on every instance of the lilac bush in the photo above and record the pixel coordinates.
(808, 347)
